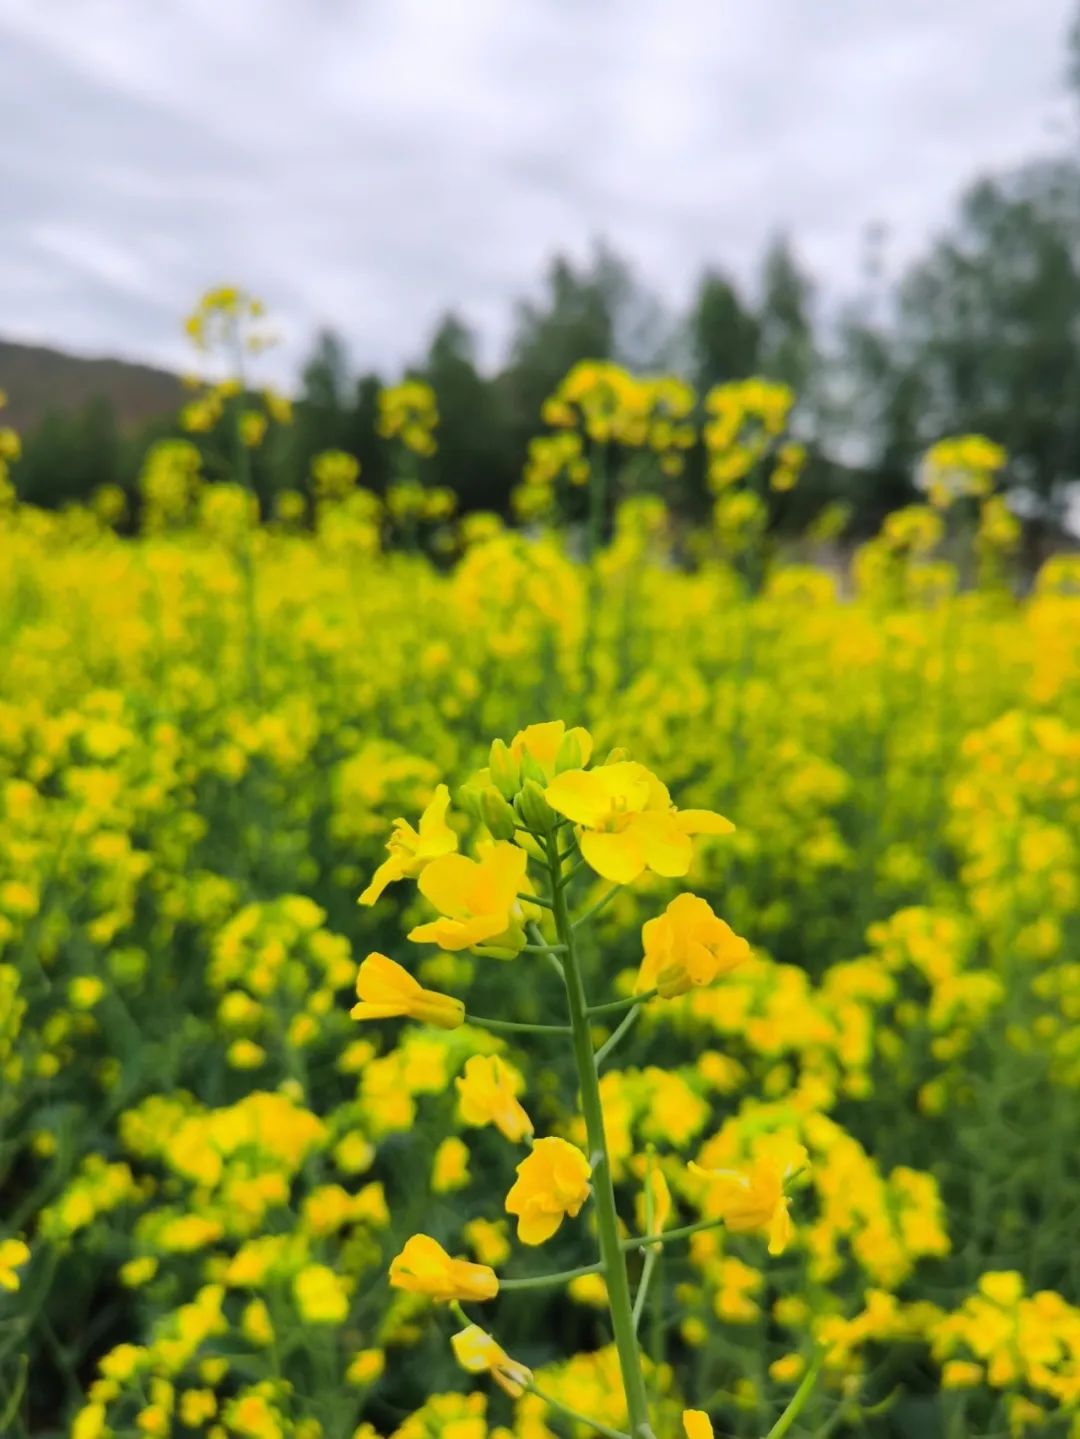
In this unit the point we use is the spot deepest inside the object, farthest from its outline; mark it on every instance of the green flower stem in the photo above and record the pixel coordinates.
(546, 1281)
(651, 1257)
(607, 1219)
(618, 1005)
(571, 873)
(797, 1402)
(593, 1425)
(509, 1026)
(597, 907)
(544, 948)
(643, 1286)
(536, 899)
(613, 1039)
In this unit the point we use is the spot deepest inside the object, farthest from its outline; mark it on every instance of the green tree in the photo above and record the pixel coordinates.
(987, 327)
(722, 333)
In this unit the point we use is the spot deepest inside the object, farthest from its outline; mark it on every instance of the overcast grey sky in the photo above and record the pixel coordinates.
(369, 163)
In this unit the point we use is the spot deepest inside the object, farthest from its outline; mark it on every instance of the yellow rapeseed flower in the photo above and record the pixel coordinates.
(488, 1091)
(477, 901)
(552, 1182)
(385, 990)
(753, 1199)
(627, 822)
(13, 1255)
(478, 1353)
(424, 1267)
(411, 849)
(687, 945)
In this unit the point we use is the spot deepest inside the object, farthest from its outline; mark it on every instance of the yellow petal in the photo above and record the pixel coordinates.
(434, 831)
(702, 821)
(579, 795)
(537, 1226)
(696, 1424)
(390, 870)
(780, 1228)
(616, 857)
(446, 879)
(666, 850)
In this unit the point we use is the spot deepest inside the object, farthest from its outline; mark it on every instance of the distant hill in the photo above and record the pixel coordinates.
(36, 379)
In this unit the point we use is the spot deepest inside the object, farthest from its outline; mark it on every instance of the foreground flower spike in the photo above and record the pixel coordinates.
(477, 901)
(488, 1091)
(552, 1182)
(387, 991)
(411, 849)
(478, 1353)
(627, 822)
(424, 1267)
(696, 1424)
(753, 1199)
(687, 945)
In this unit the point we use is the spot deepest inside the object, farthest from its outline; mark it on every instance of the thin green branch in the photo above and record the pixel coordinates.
(643, 1285)
(543, 948)
(797, 1402)
(616, 1006)
(593, 1425)
(642, 1241)
(613, 1039)
(536, 899)
(595, 909)
(548, 1281)
(510, 1026)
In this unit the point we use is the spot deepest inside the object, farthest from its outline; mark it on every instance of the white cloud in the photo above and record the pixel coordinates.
(369, 163)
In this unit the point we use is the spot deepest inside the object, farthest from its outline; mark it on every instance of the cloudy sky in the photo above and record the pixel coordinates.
(369, 163)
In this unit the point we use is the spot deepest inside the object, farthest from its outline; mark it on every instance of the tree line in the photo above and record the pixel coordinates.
(980, 334)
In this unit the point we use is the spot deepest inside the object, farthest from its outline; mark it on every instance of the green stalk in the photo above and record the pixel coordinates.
(607, 1219)
(798, 1400)
(511, 1026)
(627, 1246)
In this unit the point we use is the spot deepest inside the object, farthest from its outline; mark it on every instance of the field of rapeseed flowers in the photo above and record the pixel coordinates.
(703, 1054)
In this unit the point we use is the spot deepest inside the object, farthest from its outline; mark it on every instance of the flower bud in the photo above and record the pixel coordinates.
(531, 768)
(534, 809)
(570, 755)
(468, 796)
(503, 767)
(497, 814)
(619, 755)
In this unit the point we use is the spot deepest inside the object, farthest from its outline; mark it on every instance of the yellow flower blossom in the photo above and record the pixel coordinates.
(410, 850)
(488, 1091)
(424, 1267)
(13, 1255)
(477, 901)
(627, 822)
(478, 1353)
(386, 990)
(687, 946)
(696, 1424)
(753, 1199)
(552, 1182)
